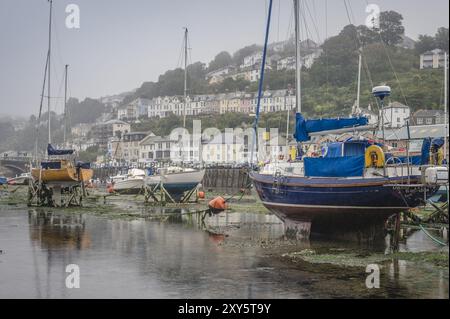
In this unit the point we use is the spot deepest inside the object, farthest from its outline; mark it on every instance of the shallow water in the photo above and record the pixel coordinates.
(168, 255)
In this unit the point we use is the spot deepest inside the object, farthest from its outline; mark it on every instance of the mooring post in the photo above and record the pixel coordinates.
(397, 232)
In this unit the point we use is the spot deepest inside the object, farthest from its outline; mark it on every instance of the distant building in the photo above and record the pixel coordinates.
(219, 75)
(372, 117)
(395, 114)
(428, 117)
(287, 63)
(252, 60)
(133, 110)
(308, 60)
(155, 148)
(432, 59)
(131, 147)
(225, 148)
(81, 129)
(102, 132)
(397, 138)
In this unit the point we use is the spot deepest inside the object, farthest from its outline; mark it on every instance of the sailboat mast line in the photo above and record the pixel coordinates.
(38, 121)
(261, 82)
(49, 72)
(298, 56)
(65, 103)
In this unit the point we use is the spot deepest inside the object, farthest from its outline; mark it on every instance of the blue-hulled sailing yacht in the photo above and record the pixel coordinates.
(354, 185)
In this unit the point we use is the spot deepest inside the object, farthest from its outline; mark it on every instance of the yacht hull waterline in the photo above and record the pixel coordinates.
(331, 205)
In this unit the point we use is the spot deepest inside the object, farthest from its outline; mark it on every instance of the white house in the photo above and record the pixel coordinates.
(225, 148)
(287, 63)
(155, 148)
(432, 59)
(219, 75)
(395, 114)
(252, 60)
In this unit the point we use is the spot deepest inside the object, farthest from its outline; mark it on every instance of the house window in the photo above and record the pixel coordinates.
(429, 120)
(419, 121)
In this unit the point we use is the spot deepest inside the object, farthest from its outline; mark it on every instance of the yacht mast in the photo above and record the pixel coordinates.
(185, 74)
(298, 56)
(445, 104)
(359, 82)
(48, 85)
(65, 102)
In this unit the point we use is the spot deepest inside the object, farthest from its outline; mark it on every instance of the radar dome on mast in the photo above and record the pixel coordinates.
(381, 91)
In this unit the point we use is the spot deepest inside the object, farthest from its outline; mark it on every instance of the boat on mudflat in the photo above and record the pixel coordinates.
(22, 179)
(62, 172)
(345, 190)
(176, 180)
(131, 183)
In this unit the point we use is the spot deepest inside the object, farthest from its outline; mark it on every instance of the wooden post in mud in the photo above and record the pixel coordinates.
(396, 239)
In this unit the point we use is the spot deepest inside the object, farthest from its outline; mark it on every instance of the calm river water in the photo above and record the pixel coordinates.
(172, 257)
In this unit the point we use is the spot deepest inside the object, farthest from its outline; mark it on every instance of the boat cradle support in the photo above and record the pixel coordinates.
(159, 194)
(43, 195)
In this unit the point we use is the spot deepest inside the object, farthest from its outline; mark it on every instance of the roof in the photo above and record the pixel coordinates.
(150, 139)
(428, 113)
(416, 132)
(139, 133)
(115, 122)
(432, 52)
(396, 104)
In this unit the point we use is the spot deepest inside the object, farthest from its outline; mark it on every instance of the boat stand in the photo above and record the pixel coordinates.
(159, 194)
(43, 195)
(187, 198)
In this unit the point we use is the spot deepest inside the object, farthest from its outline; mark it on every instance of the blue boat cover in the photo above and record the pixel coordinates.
(346, 166)
(3, 180)
(51, 165)
(333, 149)
(348, 148)
(52, 151)
(437, 142)
(303, 127)
(84, 165)
(425, 157)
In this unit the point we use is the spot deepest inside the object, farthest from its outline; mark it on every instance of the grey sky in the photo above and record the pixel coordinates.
(122, 43)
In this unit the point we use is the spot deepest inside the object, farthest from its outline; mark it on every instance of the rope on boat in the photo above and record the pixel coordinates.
(432, 237)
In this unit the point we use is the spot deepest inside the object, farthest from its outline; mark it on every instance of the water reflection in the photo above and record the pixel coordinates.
(169, 254)
(53, 230)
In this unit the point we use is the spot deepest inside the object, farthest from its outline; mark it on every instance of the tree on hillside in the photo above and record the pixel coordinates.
(221, 60)
(391, 28)
(425, 43)
(339, 65)
(86, 111)
(441, 39)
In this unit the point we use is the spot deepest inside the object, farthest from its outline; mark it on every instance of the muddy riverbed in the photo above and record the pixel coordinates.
(125, 249)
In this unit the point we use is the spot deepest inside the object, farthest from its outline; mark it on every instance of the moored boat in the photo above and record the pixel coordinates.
(62, 171)
(131, 183)
(355, 185)
(22, 179)
(176, 180)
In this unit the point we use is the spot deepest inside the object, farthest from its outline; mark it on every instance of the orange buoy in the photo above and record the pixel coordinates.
(110, 189)
(217, 205)
(201, 195)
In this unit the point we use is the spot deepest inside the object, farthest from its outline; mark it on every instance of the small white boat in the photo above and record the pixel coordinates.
(176, 180)
(22, 179)
(129, 184)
